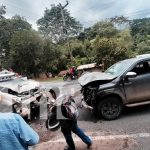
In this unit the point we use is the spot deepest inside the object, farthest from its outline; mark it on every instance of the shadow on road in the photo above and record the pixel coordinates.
(86, 115)
(135, 111)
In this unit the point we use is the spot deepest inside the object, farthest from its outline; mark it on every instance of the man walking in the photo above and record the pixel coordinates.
(69, 124)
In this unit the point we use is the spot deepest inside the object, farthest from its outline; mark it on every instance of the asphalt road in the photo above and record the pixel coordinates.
(134, 122)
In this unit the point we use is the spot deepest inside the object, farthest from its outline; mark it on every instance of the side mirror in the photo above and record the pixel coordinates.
(131, 75)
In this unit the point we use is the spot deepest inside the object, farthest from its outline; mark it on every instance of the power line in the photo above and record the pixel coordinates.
(138, 12)
(131, 14)
(103, 6)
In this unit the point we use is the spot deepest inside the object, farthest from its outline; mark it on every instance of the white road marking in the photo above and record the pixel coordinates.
(107, 137)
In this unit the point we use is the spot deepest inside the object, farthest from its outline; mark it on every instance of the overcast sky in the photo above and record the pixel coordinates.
(86, 11)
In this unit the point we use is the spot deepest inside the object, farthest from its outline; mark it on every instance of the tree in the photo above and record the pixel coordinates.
(108, 51)
(5, 33)
(51, 24)
(52, 58)
(81, 50)
(77, 48)
(143, 47)
(101, 29)
(141, 35)
(86, 45)
(26, 51)
(140, 26)
(119, 20)
(19, 23)
(7, 28)
(2, 11)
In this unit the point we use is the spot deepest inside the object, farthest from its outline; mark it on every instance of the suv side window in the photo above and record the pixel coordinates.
(142, 68)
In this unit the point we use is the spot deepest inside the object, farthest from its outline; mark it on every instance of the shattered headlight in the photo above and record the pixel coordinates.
(21, 109)
(16, 100)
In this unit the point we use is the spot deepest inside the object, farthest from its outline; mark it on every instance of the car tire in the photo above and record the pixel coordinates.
(110, 108)
(52, 124)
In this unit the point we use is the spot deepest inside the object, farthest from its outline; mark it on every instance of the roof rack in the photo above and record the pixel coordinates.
(143, 56)
(6, 75)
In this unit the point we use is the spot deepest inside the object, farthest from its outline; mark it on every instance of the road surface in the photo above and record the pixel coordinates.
(133, 125)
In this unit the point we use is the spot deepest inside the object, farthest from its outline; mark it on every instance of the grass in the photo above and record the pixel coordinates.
(49, 79)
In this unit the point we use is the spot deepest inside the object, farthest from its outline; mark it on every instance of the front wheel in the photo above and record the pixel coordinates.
(65, 77)
(110, 108)
(52, 122)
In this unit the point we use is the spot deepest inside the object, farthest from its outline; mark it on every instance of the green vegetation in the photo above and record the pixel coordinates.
(49, 79)
(31, 52)
(51, 24)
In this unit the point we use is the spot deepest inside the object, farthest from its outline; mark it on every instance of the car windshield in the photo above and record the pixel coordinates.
(118, 68)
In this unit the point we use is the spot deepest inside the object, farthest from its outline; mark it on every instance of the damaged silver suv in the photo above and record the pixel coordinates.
(126, 83)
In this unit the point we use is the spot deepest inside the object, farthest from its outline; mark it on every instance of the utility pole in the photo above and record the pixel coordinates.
(2, 55)
(65, 28)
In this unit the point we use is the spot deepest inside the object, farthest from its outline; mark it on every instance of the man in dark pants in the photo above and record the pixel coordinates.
(68, 126)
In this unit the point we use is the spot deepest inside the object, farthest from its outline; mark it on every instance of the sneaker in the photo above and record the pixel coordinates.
(68, 148)
(89, 144)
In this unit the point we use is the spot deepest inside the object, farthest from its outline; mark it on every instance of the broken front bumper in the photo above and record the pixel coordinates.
(85, 105)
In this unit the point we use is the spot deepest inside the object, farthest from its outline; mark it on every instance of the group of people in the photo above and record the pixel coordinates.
(16, 134)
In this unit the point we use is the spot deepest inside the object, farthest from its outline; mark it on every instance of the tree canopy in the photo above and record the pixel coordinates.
(2, 11)
(25, 51)
(51, 24)
(31, 52)
(8, 27)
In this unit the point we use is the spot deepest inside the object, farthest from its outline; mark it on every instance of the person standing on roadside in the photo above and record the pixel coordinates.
(15, 133)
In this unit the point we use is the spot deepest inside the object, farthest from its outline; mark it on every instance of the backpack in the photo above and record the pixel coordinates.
(71, 109)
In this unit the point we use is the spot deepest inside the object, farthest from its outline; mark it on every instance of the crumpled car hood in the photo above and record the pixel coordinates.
(95, 76)
(19, 85)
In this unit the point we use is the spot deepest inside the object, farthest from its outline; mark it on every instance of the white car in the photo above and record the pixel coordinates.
(20, 95)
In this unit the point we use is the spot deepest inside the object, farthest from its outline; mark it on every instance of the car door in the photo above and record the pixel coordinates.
(138, 88)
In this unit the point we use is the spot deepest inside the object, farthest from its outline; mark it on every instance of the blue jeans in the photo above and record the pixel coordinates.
(73, 127)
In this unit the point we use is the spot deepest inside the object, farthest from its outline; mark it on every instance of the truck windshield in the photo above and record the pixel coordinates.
(118, 68)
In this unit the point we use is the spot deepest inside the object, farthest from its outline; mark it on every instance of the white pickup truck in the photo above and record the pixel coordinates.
(20, 95)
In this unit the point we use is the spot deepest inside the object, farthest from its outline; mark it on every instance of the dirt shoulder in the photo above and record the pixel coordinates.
(98, 144)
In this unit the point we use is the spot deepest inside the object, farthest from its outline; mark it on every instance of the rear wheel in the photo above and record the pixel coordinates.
(110, 108)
